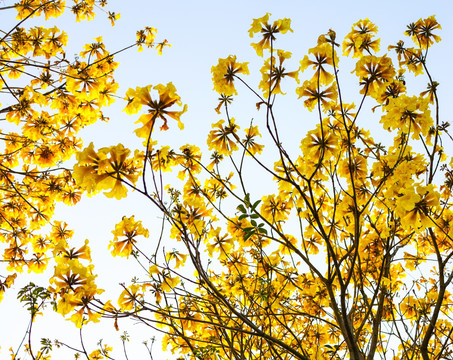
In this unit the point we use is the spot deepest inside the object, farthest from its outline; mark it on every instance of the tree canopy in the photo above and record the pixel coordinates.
(346, 254)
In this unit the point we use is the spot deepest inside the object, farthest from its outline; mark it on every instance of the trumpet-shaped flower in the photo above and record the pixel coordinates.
(313, 93)
(268, 31)
(360, 39)
(273, 73)
(157, 108)
(224, 74)
(223, 138)
(128, 229)
(374, 74)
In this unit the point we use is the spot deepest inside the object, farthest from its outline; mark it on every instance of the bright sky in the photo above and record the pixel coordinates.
(200, 32)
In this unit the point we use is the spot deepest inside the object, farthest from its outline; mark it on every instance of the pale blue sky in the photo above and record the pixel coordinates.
(200, 32)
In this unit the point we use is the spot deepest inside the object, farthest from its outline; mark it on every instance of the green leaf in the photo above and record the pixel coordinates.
(255, 205)
(247, 200)
(247, 236)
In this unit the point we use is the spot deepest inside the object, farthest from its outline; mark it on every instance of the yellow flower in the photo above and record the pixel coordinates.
(360, 39)
(129, 297)
(357, 167)
(236, 263)
(214, 189)
(163, 159)
(86, 170)
(275, 209)
(146, 37)
(268, 31)
(95, 49)
(60, 231)
(317, 144)
(416, 206)
(224, 73)
(84, 313)
(83, 80)
(119, 168)
(314, 94)
(430, 91)
(70, 275)
(257, 24)
(272, 76)
(96, 354)
(5, 284)
(107, 169)
(130, 229)
(322, 57)
(38, 263)
(189, 160)
(393, 89)
(194, 215)
(153, 269)
(169, 283)
(106, 93)
(223, 138)
(223, 100)
(409, 307)
(409, 115)
(41, 243)
(249, 142)
(422, 32)
(62, 250)
(160, 46)
(374, 74)
(113, 17)
(219, 243)
(158, 108)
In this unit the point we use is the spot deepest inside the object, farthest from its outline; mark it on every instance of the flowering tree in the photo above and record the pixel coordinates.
(332, 265)
(47, 98)
(348, 256)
